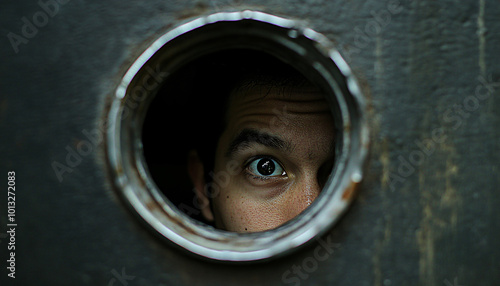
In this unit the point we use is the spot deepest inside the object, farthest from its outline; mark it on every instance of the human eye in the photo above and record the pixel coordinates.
(265, 168)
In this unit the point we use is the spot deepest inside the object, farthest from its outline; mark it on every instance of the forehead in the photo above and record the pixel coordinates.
(300, 117)
(290, 113)
(267, 101)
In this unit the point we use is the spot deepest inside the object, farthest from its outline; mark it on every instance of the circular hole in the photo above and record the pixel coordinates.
(170, 113)
(192, 109)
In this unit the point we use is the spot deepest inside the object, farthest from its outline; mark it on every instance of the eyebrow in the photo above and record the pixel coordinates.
(248, 136)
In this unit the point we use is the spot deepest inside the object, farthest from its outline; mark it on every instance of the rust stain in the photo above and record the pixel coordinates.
(451, 198)
(197, 10)
(440, 202)
(380, 245)
(425, 235)
(384, 160)
(350, 191)
(425, 241)
(481, 32)
(347, 128)
(152, 205)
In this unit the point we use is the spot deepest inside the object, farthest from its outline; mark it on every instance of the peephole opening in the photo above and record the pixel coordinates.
(238, 136)
(240, 140)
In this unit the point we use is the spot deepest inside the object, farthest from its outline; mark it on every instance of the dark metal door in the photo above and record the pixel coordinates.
(426, 213)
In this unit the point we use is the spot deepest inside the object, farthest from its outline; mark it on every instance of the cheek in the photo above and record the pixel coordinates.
(238, 211)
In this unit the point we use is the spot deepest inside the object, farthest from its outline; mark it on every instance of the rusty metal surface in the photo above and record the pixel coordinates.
(426, 214)
(286, 38)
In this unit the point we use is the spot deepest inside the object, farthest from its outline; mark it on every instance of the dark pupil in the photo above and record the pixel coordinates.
(265, 167)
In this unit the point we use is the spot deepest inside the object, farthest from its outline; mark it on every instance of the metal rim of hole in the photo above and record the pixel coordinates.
(290, 40)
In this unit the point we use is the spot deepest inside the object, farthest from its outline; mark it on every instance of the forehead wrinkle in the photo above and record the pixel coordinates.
(313, 112)
(287, 93)
(279, 107)
(299, 100)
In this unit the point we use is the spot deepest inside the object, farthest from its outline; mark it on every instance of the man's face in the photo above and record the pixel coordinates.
(276, 153)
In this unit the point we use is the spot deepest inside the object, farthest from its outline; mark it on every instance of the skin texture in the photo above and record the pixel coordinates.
(292, 131)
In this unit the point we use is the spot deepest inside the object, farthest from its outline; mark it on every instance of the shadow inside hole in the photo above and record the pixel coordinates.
(188, 113)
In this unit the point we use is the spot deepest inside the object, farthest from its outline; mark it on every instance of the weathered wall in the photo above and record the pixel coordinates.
(427, 213)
